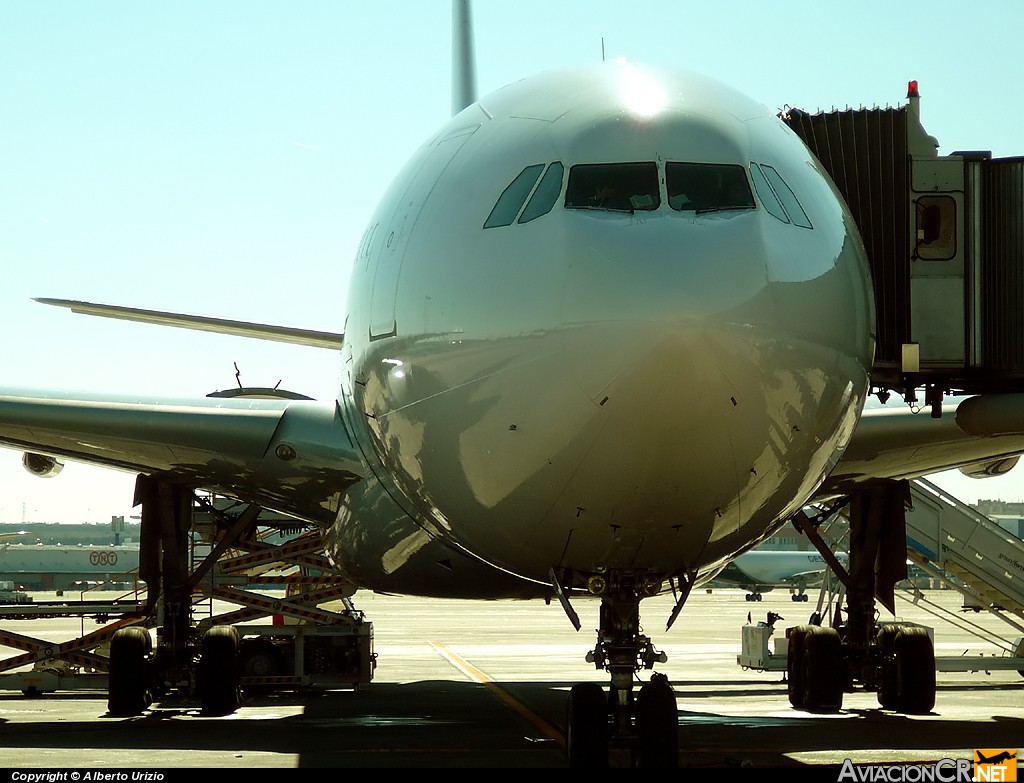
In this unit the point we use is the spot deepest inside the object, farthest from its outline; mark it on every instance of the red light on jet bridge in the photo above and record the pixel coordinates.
(912, 89)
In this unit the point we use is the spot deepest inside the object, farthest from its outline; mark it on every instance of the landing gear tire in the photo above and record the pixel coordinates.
(218, 671)
(823, 676)
(795, 666)
(915, 671)
(586, 733)
(128, 689)
(657, 725)
(888, 680)
(906, 669)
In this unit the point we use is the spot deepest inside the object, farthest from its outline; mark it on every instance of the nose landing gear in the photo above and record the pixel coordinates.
(645, 723)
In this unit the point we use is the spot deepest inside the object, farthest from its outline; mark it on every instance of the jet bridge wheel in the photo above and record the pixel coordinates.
(128, 689)
(657, 725)
(586, 732)
(218, 671)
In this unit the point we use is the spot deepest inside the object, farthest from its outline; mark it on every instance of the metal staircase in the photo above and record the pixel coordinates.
(949, 538)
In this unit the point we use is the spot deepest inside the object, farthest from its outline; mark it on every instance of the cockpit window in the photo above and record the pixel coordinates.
(546, 194)
(512, 198)
(616, 187)
(787, 197)
(768, 198)
(707, 187)
(778, 198)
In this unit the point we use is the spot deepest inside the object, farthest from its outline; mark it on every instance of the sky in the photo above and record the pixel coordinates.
(224, 158)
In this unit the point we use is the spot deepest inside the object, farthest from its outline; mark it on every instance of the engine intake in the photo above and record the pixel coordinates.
(41, 465)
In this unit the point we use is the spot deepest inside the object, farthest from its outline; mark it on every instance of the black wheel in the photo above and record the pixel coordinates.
(586, 726)
(823, 670)
(657, 725)
(915, 670)
(885, 670)
(128, 686)
(795, 665)
(218, 671)
(259, 658)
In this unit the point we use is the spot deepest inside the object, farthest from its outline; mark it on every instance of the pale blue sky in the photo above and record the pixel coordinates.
(223, 158)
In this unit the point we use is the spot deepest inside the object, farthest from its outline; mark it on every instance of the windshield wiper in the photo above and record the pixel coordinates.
(706, 210)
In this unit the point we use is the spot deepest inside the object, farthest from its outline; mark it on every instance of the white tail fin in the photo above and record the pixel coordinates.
(463, 60)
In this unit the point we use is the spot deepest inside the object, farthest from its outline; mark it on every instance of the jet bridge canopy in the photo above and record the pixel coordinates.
(945, 239)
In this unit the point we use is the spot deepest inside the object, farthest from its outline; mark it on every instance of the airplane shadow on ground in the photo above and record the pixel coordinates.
(454, 724)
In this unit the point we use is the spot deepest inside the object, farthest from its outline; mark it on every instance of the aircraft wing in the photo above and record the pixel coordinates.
(282, 334)
(803, 576)
(981, 435)
(295, 456)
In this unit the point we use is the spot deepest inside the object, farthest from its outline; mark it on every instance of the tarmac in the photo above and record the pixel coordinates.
(483, 685)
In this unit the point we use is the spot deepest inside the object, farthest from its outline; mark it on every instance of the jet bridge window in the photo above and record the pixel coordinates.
(513, 197)
(615, 187)
(936, 228)
(707, 187)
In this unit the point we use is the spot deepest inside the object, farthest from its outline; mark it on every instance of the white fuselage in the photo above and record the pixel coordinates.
(648, 389)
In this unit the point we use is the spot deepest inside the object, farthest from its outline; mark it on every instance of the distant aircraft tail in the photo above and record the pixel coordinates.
(463, 59)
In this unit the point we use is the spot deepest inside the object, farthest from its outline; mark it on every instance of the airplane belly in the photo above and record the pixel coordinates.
(378, 545)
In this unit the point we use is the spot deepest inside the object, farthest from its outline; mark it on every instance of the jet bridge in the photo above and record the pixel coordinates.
(944, 239)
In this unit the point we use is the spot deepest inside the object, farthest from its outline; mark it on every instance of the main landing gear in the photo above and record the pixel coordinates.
(644, 723)
(896, 661)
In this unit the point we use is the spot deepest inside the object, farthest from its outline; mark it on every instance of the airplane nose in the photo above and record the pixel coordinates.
(656, 287)
(715, 407)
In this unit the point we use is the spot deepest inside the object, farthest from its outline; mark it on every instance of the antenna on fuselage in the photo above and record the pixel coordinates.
(463, 61)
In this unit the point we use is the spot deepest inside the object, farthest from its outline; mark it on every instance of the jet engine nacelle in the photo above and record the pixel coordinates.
(41, 465)
(996, 467)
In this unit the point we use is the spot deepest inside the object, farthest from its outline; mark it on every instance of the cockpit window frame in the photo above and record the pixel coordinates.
(790, 201)
(777, 196)
(766, 194)
(514, 196)
(546, 194)
(703, 191)
(629, 187)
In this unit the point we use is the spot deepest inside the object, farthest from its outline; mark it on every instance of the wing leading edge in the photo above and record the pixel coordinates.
(987, 430)
(292, 455)
(281, 334)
